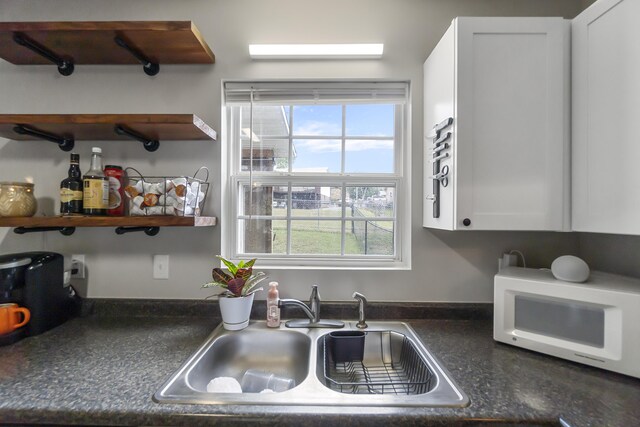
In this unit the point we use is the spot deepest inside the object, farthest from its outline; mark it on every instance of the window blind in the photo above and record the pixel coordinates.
(278, 93)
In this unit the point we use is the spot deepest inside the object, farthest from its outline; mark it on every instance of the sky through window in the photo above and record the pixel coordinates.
(362, 122)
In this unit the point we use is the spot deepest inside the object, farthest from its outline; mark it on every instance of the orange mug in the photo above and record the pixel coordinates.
(10, 315)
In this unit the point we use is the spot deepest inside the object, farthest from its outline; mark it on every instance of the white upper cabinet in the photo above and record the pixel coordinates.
(503, 163)
(606, 118)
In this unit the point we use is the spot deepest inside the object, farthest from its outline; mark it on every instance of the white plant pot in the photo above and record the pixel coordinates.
(235, 312)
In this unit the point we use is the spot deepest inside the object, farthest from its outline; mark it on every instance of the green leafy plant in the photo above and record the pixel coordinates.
(239, 281)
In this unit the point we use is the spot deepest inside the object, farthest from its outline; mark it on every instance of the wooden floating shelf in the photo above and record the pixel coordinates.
(86, 42)
(100, 127)
(150, 225)
(109, 221)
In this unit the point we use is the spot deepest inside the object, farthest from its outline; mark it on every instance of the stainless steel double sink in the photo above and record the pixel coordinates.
(395, 369)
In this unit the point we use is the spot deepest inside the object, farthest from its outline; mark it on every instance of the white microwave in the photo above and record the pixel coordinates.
(596, 323)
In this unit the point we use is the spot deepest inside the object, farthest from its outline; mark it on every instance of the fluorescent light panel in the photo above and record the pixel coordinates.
(316, 51)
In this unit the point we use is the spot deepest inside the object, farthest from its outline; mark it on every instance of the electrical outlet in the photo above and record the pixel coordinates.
(507, 260)
(510, 260)
(78, 267)
(161, 266)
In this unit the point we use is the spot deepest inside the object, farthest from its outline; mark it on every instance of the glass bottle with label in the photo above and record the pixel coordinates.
(116, 176)
(273, 311)
(71, 193)
(96, 186)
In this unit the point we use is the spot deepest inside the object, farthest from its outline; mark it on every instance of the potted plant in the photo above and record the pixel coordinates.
(239, 286)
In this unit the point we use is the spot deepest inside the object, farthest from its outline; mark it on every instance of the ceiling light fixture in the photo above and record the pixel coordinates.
(316, 51)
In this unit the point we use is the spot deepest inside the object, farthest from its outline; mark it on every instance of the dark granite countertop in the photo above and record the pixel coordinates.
(103, 370)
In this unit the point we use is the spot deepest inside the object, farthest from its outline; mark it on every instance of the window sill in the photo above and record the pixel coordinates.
(328, 264)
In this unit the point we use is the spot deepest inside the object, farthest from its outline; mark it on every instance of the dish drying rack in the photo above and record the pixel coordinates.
(391, 366)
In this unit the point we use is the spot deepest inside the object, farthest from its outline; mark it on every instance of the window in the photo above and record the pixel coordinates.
(318, 173)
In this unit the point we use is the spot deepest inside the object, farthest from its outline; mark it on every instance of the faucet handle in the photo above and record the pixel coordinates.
(314, 293)
(314, 303)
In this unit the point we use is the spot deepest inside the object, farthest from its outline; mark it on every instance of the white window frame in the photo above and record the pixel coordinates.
(232, 177)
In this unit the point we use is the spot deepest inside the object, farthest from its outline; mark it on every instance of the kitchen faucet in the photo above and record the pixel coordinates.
(312, 311)
(362, 324)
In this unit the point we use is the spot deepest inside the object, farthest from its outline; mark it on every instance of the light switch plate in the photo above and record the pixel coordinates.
(161, 266)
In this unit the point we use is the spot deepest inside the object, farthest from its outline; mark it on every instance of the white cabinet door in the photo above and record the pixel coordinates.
(509, 164)
(606, 118)
(439, 92)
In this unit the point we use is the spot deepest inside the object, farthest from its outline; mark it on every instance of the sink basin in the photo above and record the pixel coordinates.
(387, 362)
(395, 369)
(230, 355)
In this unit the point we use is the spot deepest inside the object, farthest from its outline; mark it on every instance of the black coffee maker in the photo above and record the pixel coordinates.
(35, 280)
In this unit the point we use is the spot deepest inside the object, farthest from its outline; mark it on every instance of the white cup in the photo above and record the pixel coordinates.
(254, 381)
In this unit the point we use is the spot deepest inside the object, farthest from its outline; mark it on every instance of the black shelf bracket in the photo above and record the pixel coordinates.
(66, 231)
(65, 144)
(64, 67)
(149, 68)
(149, 144)
(149, 231)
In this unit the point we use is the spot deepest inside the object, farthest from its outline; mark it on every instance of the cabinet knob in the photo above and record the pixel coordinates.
(466, 222)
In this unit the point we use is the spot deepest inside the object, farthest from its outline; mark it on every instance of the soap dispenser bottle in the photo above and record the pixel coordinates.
(273, 311)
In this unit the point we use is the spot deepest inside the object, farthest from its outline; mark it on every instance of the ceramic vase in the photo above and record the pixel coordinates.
(236, 312)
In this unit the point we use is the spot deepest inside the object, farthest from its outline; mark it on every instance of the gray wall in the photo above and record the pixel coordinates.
(446, 266)
(610, 252)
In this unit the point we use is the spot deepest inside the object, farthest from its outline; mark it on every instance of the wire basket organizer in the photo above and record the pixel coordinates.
(166, 195)
(391, 365)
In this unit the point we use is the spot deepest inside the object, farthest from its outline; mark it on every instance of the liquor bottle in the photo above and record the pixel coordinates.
(71, 189)
(96, 186)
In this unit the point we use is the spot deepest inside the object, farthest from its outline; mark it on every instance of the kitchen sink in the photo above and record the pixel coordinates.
(394, 368)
